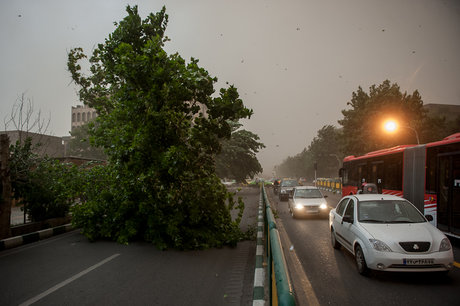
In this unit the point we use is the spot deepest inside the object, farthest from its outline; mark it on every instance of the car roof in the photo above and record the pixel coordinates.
(306, 187)
(375, 196)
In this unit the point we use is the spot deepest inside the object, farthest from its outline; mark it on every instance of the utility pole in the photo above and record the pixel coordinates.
(316, 168)
(5, 200)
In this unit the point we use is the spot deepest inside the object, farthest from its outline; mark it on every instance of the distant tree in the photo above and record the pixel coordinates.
(292, 166)
(323, 150)
(5, 188)
(362, 124)
(80, 144)
(161, 127)
(238, 160)
(26, 120)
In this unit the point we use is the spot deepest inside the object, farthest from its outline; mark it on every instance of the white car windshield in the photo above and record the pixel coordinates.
(388, 211)
(289, 183)
(308, 193)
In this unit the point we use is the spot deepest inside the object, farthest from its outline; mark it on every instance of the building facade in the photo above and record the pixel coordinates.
(43, 145)
(81, 115)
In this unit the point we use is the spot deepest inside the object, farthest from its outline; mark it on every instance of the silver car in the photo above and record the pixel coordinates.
(308, 200)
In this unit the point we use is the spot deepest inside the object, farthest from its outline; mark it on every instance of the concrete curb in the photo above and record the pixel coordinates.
(16, 241)
(259, 273)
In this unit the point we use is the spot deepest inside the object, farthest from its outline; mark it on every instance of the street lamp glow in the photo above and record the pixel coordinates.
(390, 126)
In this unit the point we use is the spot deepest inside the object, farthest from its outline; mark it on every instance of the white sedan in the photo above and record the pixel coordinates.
(388, 233)
(308, 200)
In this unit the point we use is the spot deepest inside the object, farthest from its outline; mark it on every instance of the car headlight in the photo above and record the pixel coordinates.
(323, 206)
(298, 206)
(445, 245)
(283, 190)
(379, 245)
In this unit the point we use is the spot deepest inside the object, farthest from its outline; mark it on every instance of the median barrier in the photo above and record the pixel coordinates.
(280, 290)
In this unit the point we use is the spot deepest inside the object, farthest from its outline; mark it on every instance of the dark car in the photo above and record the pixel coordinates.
(286, 189)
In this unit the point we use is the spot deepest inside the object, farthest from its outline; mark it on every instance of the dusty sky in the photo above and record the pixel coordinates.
(295, 62)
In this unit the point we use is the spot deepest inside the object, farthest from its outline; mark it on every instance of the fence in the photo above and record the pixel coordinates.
(279, 286)
(330, 184)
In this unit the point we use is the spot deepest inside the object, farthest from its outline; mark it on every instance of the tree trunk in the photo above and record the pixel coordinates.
(5, 203)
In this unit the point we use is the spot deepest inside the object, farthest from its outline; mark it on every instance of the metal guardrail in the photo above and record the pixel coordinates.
(280, 288)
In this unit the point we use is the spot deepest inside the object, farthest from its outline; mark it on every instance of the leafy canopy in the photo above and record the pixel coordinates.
(238, 160)
(362, 124)
(161, 128)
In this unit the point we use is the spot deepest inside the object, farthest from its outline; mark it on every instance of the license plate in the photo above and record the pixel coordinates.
(418, 262)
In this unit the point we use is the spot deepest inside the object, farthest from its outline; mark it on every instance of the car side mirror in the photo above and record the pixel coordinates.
(347, 218)
(429, 217)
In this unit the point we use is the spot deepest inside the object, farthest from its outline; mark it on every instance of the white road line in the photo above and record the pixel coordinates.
(67, 281)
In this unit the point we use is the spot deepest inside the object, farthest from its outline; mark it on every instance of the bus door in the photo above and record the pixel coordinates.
(449, 193)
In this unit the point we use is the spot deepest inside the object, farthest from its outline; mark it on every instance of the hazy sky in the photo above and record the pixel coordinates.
(294, 62)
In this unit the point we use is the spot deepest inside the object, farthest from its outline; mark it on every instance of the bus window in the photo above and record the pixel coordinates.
(393, 172)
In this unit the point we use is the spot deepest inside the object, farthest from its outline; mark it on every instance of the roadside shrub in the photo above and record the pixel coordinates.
(44, 186)
(51, 190)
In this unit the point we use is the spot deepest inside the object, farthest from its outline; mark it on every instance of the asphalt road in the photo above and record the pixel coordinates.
(324, 276)
(69, 270)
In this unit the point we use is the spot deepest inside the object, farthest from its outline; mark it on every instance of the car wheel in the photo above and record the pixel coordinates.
(361, 261)
(335, 243)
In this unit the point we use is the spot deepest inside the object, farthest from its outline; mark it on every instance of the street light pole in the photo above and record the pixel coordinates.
(338, 159)
(416, 134)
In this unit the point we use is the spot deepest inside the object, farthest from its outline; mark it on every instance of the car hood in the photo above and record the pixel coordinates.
(394, 233)
(309, 201)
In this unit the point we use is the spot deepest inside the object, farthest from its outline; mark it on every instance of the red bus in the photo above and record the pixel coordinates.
(428, 175)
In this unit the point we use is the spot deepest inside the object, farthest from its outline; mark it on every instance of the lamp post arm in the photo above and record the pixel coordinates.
(416, 134)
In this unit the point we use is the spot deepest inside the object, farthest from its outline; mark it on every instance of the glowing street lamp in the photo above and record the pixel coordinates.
(391, 126)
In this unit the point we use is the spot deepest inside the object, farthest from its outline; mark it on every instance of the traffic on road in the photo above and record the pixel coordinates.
(324, 275)
(71, 269)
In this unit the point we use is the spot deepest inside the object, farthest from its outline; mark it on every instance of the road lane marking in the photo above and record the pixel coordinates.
(67, 281)
(457, 264)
